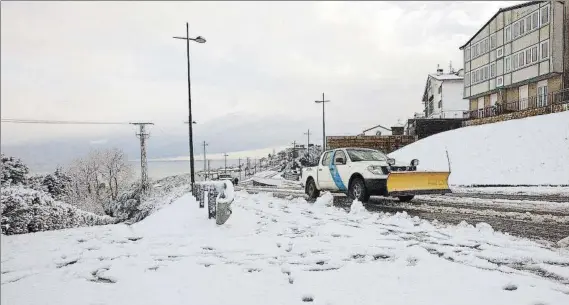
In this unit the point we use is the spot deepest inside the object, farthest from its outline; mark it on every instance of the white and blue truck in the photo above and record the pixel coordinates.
(362, 172)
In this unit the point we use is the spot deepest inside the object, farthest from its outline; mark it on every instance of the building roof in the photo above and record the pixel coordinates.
(498, 12)
(446, 76)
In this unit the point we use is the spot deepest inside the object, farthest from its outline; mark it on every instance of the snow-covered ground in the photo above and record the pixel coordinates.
(518, 190)
(275, 251)
(529, 151)
(273, 178)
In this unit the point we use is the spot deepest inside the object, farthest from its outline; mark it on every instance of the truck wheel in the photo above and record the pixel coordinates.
(357, 190)
(311, 189)
(405, 198)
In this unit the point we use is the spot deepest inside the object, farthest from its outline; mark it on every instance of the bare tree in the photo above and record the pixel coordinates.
(98, 178)
(116, 170)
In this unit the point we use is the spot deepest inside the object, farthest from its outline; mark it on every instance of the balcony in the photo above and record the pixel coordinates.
(534, 102)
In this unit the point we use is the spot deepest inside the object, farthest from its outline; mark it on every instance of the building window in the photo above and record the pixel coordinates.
(516, 30)
(467, 79)
(499, 81)
(528, 23)
(515, 62)
(440, 104)
(545, 49)
(521, 59)
(534, 54)
(522, 26)
(542, 94)
(508, 66)
(486, 45)
(535, 20)
(544, 15)
(528, 56)
(493, 70)
(440, 89)
(493, 41)
(499, 52)
(467, 54)
(508, 33)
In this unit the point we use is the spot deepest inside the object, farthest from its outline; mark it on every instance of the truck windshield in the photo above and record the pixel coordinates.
(365, 155)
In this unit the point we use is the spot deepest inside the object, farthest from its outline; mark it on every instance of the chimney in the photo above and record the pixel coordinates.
(439, 70)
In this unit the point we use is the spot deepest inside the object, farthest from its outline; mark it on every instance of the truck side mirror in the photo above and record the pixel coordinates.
(340, 160)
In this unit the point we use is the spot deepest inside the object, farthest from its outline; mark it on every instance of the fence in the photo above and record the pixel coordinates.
(534, 102)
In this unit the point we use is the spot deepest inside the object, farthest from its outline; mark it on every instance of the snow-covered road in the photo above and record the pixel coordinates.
(281, 251)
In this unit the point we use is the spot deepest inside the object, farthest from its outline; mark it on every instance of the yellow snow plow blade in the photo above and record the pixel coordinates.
(416, 183)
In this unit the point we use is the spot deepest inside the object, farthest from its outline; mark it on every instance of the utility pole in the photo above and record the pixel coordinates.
(208, 167)
(239, 169)
(293, 149)
(198, 39)
(308, 144)
(225, 168)
(323, 101)
(143, 135)
(248, 167)
(204, 160)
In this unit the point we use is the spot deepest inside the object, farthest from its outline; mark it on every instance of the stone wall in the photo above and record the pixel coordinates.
(386, 144)
(518, 115)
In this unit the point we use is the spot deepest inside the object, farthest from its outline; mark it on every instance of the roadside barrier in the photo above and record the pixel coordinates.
(218, 195)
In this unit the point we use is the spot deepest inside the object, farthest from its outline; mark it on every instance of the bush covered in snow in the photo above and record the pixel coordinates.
(13, 170)
(132, 205)
(25, 210)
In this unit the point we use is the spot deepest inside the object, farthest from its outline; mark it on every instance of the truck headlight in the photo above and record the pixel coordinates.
(376, 170)
(414, 162)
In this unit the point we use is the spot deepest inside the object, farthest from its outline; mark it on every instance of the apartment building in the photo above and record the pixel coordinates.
(442, 97)
(518, 59)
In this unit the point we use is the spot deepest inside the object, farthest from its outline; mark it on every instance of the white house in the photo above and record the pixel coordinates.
(443, 96)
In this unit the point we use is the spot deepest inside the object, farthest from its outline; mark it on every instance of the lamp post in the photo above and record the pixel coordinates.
(323, 101)
(198, 39)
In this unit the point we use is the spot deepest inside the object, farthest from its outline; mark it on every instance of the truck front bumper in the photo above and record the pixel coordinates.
(376, 187)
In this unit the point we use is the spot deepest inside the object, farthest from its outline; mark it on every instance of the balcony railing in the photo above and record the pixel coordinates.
(534, 102)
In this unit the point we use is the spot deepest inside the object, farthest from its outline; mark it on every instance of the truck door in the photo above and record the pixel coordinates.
(340, 170)
(324, 178)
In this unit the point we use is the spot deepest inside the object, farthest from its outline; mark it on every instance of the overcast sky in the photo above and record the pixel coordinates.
(264, 63)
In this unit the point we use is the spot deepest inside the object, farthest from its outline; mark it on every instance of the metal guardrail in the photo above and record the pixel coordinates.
(534, 102)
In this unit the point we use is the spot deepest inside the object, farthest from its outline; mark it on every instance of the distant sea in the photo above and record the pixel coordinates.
(161, 169)
(156, 169)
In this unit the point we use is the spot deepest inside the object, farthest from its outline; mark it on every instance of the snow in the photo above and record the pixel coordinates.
(280, 251)
(529, 151)
(446, 76)
(273, 178)
(516, 190)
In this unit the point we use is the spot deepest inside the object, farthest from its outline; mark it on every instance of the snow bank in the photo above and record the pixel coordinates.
(529, 151)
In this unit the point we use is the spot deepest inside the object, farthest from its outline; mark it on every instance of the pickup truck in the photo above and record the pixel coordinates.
(224, 176)
(361, 173)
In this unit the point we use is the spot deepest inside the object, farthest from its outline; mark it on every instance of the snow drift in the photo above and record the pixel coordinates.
(529, 151)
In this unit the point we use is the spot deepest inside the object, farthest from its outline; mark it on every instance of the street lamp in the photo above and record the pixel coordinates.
(323, 101)
(198, 39)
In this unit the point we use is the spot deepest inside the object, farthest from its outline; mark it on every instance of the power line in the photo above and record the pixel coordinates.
(29, 121)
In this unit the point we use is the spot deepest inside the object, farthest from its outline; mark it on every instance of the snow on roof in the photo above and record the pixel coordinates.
(446, 76)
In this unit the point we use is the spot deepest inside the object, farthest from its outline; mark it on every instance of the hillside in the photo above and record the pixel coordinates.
(530, 151)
